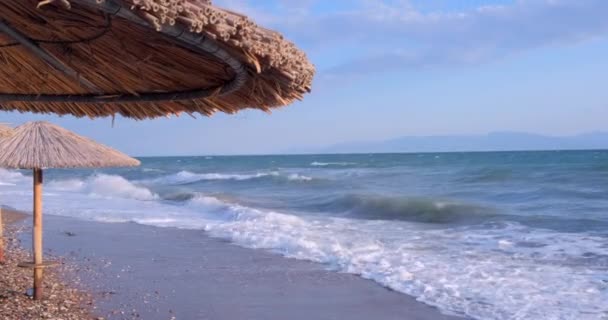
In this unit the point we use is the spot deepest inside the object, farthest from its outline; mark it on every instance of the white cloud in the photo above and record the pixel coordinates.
(394, 33)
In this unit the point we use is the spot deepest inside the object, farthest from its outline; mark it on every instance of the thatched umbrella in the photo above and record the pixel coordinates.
(41, 145)
(142, 59)
(5, 132)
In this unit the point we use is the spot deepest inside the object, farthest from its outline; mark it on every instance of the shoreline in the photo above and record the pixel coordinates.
(61, 301)
(12, 216)
(138, 271)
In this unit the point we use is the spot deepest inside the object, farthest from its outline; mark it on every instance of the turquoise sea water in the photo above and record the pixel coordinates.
(505, 235)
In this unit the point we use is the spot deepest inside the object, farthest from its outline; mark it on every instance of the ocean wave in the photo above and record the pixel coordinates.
(67, 185)
(208, 201)
(475, 261)
(375, 207)
(104, 185)
(463, 271)
(195, 198)
(326, 164)
(298, 177)
(493, 273)
(187, 177)
(179, 196)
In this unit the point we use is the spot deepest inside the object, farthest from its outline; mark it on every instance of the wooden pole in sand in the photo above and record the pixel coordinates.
(37, 236)
(2, 258)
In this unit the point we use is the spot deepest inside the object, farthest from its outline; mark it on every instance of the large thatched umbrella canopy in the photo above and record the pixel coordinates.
(41, 145)
(142, 59)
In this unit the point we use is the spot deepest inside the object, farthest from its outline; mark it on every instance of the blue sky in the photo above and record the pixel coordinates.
(389, 68)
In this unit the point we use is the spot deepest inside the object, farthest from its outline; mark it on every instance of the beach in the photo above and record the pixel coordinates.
(143, 272)
(491, 236)
(442, 160)
(62, 301)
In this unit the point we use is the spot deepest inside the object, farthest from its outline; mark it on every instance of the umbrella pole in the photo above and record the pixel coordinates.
(37, 237)
(2, 259)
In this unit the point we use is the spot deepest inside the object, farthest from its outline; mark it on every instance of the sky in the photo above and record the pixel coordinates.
(391, 68)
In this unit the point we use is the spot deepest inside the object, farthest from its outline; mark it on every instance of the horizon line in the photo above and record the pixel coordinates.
(375, 153)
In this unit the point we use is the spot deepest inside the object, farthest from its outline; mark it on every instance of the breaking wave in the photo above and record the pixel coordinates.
(103, 185)
(375, 207)
(327, 164)
(187, 177)
(298, 177)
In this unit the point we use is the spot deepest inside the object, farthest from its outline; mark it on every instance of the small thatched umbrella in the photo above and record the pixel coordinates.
(143, 59)
(41, 145)
(5, 132)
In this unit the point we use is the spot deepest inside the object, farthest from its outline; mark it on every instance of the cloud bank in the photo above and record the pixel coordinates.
(377, 35)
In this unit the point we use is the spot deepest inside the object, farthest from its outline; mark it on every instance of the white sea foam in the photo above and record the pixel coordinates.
(117, 186)
(187, 177)
(66, 185)
(208, 204)
(103, 185)
(325, 164)
(298, 177)
(508, 271)
(461, 271)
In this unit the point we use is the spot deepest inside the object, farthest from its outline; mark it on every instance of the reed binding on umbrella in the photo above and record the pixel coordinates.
(77, 34)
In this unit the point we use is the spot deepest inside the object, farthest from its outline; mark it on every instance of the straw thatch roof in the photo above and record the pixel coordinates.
(5, 131)
(40, 145)
(142, 59)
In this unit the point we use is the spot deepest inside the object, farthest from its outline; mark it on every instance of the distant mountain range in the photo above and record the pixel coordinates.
(496, 141)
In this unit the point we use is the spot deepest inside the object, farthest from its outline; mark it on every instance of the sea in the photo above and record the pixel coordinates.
(495, 235)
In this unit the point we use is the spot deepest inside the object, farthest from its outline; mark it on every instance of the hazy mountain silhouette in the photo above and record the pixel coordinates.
(496, 141)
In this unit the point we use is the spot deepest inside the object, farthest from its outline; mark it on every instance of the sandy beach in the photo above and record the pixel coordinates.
(63, 301)
(136, 271)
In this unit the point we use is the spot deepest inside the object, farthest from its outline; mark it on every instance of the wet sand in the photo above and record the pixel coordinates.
(136, 271)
